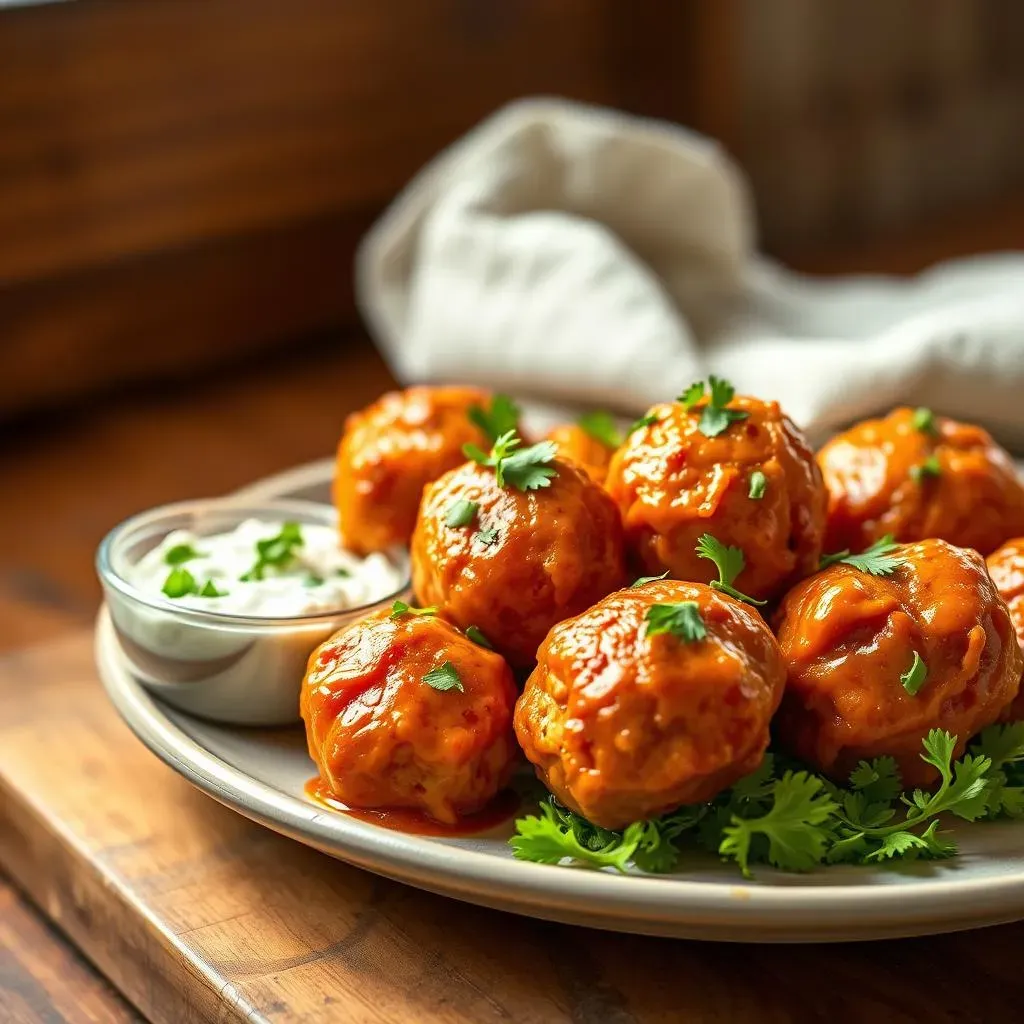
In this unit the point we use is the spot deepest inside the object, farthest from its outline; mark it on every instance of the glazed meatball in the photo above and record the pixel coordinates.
(624, 724)
(390, 451)
(754, 486)
(383, 736)
(915, 475)
(576, 445)
(522, 560)
(1006, 567)
(851, 641)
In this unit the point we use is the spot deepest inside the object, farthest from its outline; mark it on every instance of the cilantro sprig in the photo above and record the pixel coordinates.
(878, 560)
(730, 562)
(796, 820)
(500, 417)
(526, 469)
(715, 417)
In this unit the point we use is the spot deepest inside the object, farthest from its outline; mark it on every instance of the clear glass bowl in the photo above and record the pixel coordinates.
(242, 669)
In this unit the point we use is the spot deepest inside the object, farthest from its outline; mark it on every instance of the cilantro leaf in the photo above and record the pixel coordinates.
(487, 537)
(461, 513)
(601, 427)
(313, 580)
(682, 620)
(758, 483)
(715, 420)
(692, 395)
(1002, 744)
(878, 780)
(526, 469)
(915, 676)
(552, 838)
(400, 608)
(877, 560)
(730, 563)
(644, 421)
(931, 467)
(445, 677)
(476, 634)
(924, 421)
(179, 583)
(181, 553)
(648, 579)
(796, 827)
(501, 417)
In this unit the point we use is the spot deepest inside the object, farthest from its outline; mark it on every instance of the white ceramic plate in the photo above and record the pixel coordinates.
(261, 774)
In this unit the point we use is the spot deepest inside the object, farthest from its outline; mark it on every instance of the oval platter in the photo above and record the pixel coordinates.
(261, 774)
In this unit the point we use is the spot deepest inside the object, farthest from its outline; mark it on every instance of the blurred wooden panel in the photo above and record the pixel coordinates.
(173, 311)
(130, 127)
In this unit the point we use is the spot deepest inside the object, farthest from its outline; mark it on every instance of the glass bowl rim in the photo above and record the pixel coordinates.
(109, 577)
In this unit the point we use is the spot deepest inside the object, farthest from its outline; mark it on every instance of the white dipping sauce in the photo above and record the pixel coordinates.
(319, 576)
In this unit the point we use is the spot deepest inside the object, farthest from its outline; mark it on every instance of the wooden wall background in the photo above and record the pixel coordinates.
(182, 181)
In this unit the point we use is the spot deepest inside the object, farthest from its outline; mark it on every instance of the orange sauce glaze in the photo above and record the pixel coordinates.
(407, 819)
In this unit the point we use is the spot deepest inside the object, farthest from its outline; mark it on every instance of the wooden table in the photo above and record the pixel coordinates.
(426, 959)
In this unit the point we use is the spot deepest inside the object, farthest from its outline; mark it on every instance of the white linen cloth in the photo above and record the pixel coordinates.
(581, 256)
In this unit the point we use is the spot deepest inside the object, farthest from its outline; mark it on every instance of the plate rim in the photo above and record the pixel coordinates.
(665, 905)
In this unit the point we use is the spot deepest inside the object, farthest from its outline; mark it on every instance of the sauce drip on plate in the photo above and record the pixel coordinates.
(406, 819)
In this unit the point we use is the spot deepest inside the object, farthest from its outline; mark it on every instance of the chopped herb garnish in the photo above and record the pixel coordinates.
(444, 677)
(501, 417)
(526, 469)
(929, 468)
(180, 554)
(462, 513)
(924, 420)
(475, 634)
(796, 820)
(758, 483)
(210, 590)
(914, 678)
(645, 421)
(342, 572)
(400, 608)
(277, 552)
(649, 579)
(601, 427)
(487, 537)
(730, 562)
(877, 560)
(682, 620)
(180, 583)
(313, 580)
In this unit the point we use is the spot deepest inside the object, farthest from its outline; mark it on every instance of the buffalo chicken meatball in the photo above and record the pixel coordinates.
(875, 662)
(1006, 567)
(625, 719)
(588, 452)
(405, 711)
(390, 451)
(514, 562)
(753, 485)
(915, 475)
